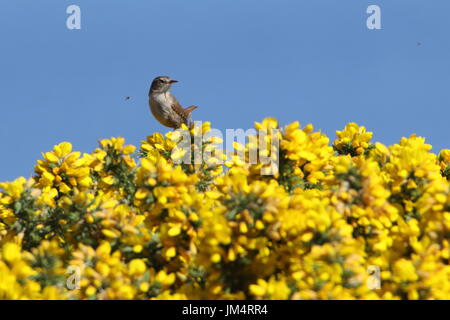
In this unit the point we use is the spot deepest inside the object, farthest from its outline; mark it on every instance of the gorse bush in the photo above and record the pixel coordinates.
(347, 220)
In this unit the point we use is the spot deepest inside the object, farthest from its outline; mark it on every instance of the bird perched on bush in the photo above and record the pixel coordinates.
(165, 108)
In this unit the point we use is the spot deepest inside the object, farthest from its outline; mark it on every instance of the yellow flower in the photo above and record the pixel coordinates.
(404, 270)
(353, 140)
(164, 278)
(174, 231)
(322, 224)
(13, 189)
(171, 252)
(137, 267)
(63, 149)
(11, 252)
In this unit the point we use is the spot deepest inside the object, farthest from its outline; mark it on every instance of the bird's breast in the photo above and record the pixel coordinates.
(159, 103)
(161, 107)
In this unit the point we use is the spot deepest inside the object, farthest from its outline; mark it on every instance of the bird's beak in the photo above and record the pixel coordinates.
(173, 81)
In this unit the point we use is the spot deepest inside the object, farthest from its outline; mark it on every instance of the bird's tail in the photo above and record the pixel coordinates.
(188, 112)
(190, 109)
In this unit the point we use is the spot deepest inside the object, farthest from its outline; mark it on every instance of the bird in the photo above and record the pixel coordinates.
(165, 107)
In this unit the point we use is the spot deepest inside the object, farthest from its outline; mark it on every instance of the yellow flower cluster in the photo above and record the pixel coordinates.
(351, 220)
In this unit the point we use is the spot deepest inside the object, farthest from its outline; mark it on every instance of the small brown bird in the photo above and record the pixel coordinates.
(165, 108)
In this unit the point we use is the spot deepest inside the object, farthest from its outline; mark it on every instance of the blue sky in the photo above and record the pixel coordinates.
(313, 61)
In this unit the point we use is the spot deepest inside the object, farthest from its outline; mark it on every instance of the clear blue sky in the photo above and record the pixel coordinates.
(312, 60)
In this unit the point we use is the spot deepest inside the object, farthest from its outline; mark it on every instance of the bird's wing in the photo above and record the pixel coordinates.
(183, 113)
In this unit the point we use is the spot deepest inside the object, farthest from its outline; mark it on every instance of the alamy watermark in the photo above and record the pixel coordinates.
(73, 278)
(374, 20)
(74, 19)
(246, 147)
(374, 280)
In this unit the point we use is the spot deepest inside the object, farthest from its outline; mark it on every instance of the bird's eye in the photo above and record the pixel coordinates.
(162, 80)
